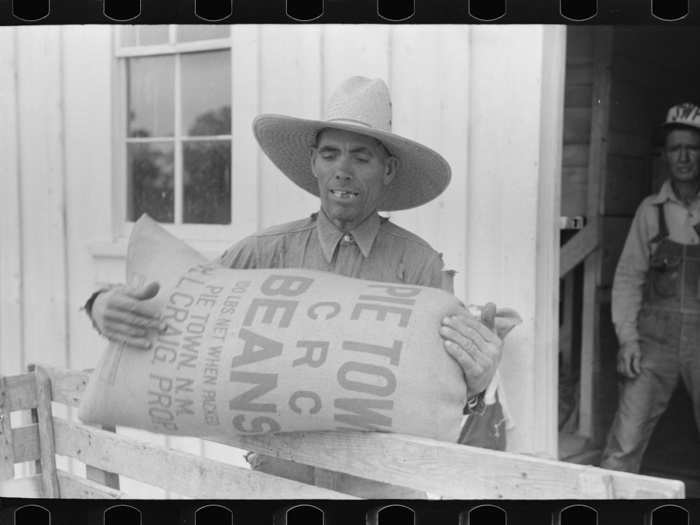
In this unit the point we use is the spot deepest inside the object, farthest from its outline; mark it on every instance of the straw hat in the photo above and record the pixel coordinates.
(360, 105)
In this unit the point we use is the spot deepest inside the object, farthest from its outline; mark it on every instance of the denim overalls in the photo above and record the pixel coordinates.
(669, 331)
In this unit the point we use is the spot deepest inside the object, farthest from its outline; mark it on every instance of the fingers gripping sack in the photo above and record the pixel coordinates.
(257, 351)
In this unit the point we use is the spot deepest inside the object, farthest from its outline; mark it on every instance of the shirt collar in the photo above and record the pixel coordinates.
(666, 193)
(329, 235)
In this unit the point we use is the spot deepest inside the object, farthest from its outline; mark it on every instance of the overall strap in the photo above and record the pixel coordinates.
(663, 227)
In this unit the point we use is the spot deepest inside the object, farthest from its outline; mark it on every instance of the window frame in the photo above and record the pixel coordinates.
(205, 233)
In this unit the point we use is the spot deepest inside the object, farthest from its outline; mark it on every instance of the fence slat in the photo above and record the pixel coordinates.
(73, 486)
(176, 471)
(46, 434)
(25, 443)
(7, 451)
(450, 470)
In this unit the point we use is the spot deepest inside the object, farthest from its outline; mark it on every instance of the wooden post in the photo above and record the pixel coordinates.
(44, 414)
(512, 204)
(7, 464)
(597, 166)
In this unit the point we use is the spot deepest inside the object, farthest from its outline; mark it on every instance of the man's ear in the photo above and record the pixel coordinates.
(312, 159)
(390, 169)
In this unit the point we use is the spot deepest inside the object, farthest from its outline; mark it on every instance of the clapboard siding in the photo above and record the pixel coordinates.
(452, 89)
(577, 121)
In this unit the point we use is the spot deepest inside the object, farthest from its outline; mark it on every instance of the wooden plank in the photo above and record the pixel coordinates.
(26, 443)
(546, 261)
(293, 59)
(42, 148)
(25, 487)
(11, 227)
(21, 392)
(425, 111)
(597, 165)
(578, 248)
(73, 486)
(46, 434)
(7, 453)
(577, 125)
(575, 155)
(103, 477)
(67, 386)
(445, 469)
(173, 470)
(574, 181)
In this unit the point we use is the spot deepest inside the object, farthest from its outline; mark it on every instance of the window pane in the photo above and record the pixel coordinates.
(143, 35)
(150, 96)
(189, 33)
(207, 180)
(206, 93)
(150, 181)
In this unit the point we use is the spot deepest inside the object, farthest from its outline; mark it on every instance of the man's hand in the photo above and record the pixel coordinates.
(629, 359)
(124, 315)
(476, 348)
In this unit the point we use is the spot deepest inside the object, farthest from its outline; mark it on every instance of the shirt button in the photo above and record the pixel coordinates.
(347, 238)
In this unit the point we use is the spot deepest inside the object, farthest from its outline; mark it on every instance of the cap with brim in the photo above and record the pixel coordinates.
(361, 106)
(686, 115)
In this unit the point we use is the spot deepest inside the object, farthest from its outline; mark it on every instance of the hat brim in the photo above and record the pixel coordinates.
(422, 173)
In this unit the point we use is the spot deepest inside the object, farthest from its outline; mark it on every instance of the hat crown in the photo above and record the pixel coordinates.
(361, 101)
(686, 114)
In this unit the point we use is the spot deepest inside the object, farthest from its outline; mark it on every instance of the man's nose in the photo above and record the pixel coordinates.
(342, 171)
(685, 155)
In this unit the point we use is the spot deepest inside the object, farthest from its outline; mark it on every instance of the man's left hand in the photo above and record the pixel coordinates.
(475, 347)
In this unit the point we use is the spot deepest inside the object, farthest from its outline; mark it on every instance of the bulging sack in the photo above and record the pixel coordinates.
(257, 351)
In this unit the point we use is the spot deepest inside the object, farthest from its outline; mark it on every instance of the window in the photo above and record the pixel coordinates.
(174, 123)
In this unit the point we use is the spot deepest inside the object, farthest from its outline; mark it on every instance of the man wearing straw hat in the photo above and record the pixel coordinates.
(357, 166)
(656, 297)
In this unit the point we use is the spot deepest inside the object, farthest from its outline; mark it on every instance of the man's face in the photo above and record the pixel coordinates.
(682, 154)
(353, 171)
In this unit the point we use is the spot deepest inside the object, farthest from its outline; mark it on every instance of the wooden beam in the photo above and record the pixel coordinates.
(7, 464)
(182, 473)
(47, 445)
(73, 486)
(25, 443)
(21, 392)
(597, 167)
(578, 248)
(450, 470)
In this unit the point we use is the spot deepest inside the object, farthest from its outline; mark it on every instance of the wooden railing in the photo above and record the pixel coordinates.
(423, 467)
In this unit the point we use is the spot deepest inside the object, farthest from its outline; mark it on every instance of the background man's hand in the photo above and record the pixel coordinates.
(629, 360)
(476, 347)
(124, 315)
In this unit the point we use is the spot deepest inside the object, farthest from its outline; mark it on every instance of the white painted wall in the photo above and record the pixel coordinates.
(488, 98)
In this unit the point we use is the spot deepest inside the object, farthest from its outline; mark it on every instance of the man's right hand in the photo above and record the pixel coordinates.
(124, 315)
(629, 358)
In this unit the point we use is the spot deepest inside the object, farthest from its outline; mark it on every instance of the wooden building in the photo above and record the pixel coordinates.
(537, 122)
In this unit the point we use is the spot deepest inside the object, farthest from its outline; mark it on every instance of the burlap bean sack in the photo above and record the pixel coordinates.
(256, 351)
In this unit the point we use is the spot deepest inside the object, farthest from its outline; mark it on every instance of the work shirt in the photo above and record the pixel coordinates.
(633, 266)
(376, 250)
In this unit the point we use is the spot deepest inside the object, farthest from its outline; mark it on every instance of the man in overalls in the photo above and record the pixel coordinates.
(656, 299)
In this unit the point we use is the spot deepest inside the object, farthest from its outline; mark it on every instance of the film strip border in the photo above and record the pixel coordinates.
(283, 512)
(15, 12)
